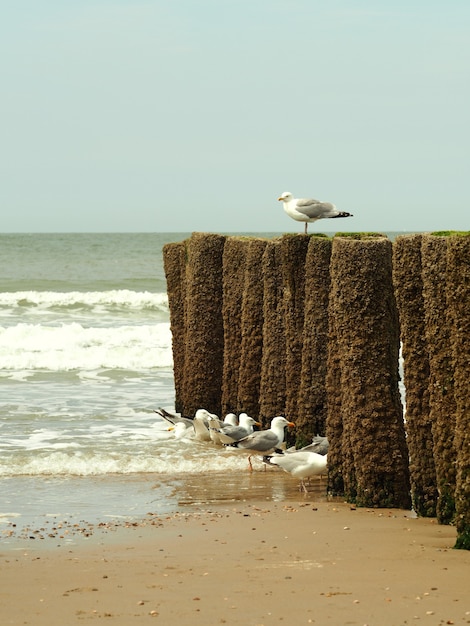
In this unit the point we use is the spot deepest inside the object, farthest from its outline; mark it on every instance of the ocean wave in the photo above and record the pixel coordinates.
(96, 463)
(74, 347)
(52, 299)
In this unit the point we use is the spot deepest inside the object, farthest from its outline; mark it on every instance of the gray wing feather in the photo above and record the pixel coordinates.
(235, 433)
(260, 441)
(315, 208)
(174, 419)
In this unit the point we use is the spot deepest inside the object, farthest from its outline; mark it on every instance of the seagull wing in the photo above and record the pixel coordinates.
(312, 208)
(259, 441)
(228, 434)
(174, 419)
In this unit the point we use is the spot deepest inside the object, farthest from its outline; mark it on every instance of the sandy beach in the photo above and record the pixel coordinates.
(243, 562)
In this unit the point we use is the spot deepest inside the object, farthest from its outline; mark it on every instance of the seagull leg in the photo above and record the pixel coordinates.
(306, 226)
(249, 463)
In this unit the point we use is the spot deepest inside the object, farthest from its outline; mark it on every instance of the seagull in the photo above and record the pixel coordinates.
(200, 422)
(174, 419)
(229, 434)
(299, 464)
(309, 210)
(319, 445)
(215, 424)
(231, 419)
(181, 431)
(264, 441)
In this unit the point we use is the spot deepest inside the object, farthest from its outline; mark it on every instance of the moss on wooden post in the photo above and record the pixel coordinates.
(273, 366)
(408, 282)
(312, 398)
(363, 311)
(441, 371)
(174, 262)
(252, 330)
(203, 367)
(458, 299)
(234, 255)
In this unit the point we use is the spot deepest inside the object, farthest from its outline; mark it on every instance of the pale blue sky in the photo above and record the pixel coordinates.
(184, 115)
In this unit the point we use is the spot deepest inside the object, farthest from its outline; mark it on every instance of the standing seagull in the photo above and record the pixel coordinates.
(309, 210)
(300, 464)
(319, 445)
(263, 441)
(229, 434)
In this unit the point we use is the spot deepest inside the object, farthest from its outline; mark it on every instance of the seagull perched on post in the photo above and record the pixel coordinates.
(309, 210)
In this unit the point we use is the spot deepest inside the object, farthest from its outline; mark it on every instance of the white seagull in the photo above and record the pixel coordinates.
(309, 210)
(200, 422)
(215, 424)
(299, 464)
(319, 445)
(181, 431)
(229, 434)
(173, 418)
(263, 441)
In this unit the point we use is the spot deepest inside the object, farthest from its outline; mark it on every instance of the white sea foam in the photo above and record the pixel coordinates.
(121, 297)
(73, 347)
(94, 462)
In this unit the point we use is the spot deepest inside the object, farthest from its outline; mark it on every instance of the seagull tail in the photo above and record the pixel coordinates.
(343, 214)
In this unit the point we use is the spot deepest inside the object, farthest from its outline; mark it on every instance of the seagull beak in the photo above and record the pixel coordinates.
(290, 424)
(281, 198)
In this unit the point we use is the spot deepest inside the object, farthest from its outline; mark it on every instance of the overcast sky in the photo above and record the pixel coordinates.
(195, 115)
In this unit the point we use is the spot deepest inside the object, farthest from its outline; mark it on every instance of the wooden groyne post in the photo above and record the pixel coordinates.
(311, 327)
(408, 280)
(371, 449)
(458, 298)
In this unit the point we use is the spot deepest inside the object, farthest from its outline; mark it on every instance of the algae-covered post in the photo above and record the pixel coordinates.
(312, 400)
(334, 416)
(441, 371)
(408, 283)
(234, 255)
(252, 330)
(294, 250)
(273, 365)
(458, 299)
(174, 262)
(337, 463)
(203, 367)
(363, 311)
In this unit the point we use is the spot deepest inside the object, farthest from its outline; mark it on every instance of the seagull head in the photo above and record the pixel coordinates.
(281, 421)
(286, 196)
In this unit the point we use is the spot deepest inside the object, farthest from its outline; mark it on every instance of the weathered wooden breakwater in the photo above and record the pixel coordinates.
(310, 327)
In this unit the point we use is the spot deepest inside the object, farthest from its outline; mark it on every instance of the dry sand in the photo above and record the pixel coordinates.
(247, 563)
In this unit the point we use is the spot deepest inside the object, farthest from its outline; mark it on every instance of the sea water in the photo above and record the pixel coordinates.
(85, 359)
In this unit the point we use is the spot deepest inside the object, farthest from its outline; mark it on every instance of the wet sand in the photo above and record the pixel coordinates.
(247, 561)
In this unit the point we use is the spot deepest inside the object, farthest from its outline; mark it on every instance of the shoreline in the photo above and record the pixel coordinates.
(247, 562)
(72, 508)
